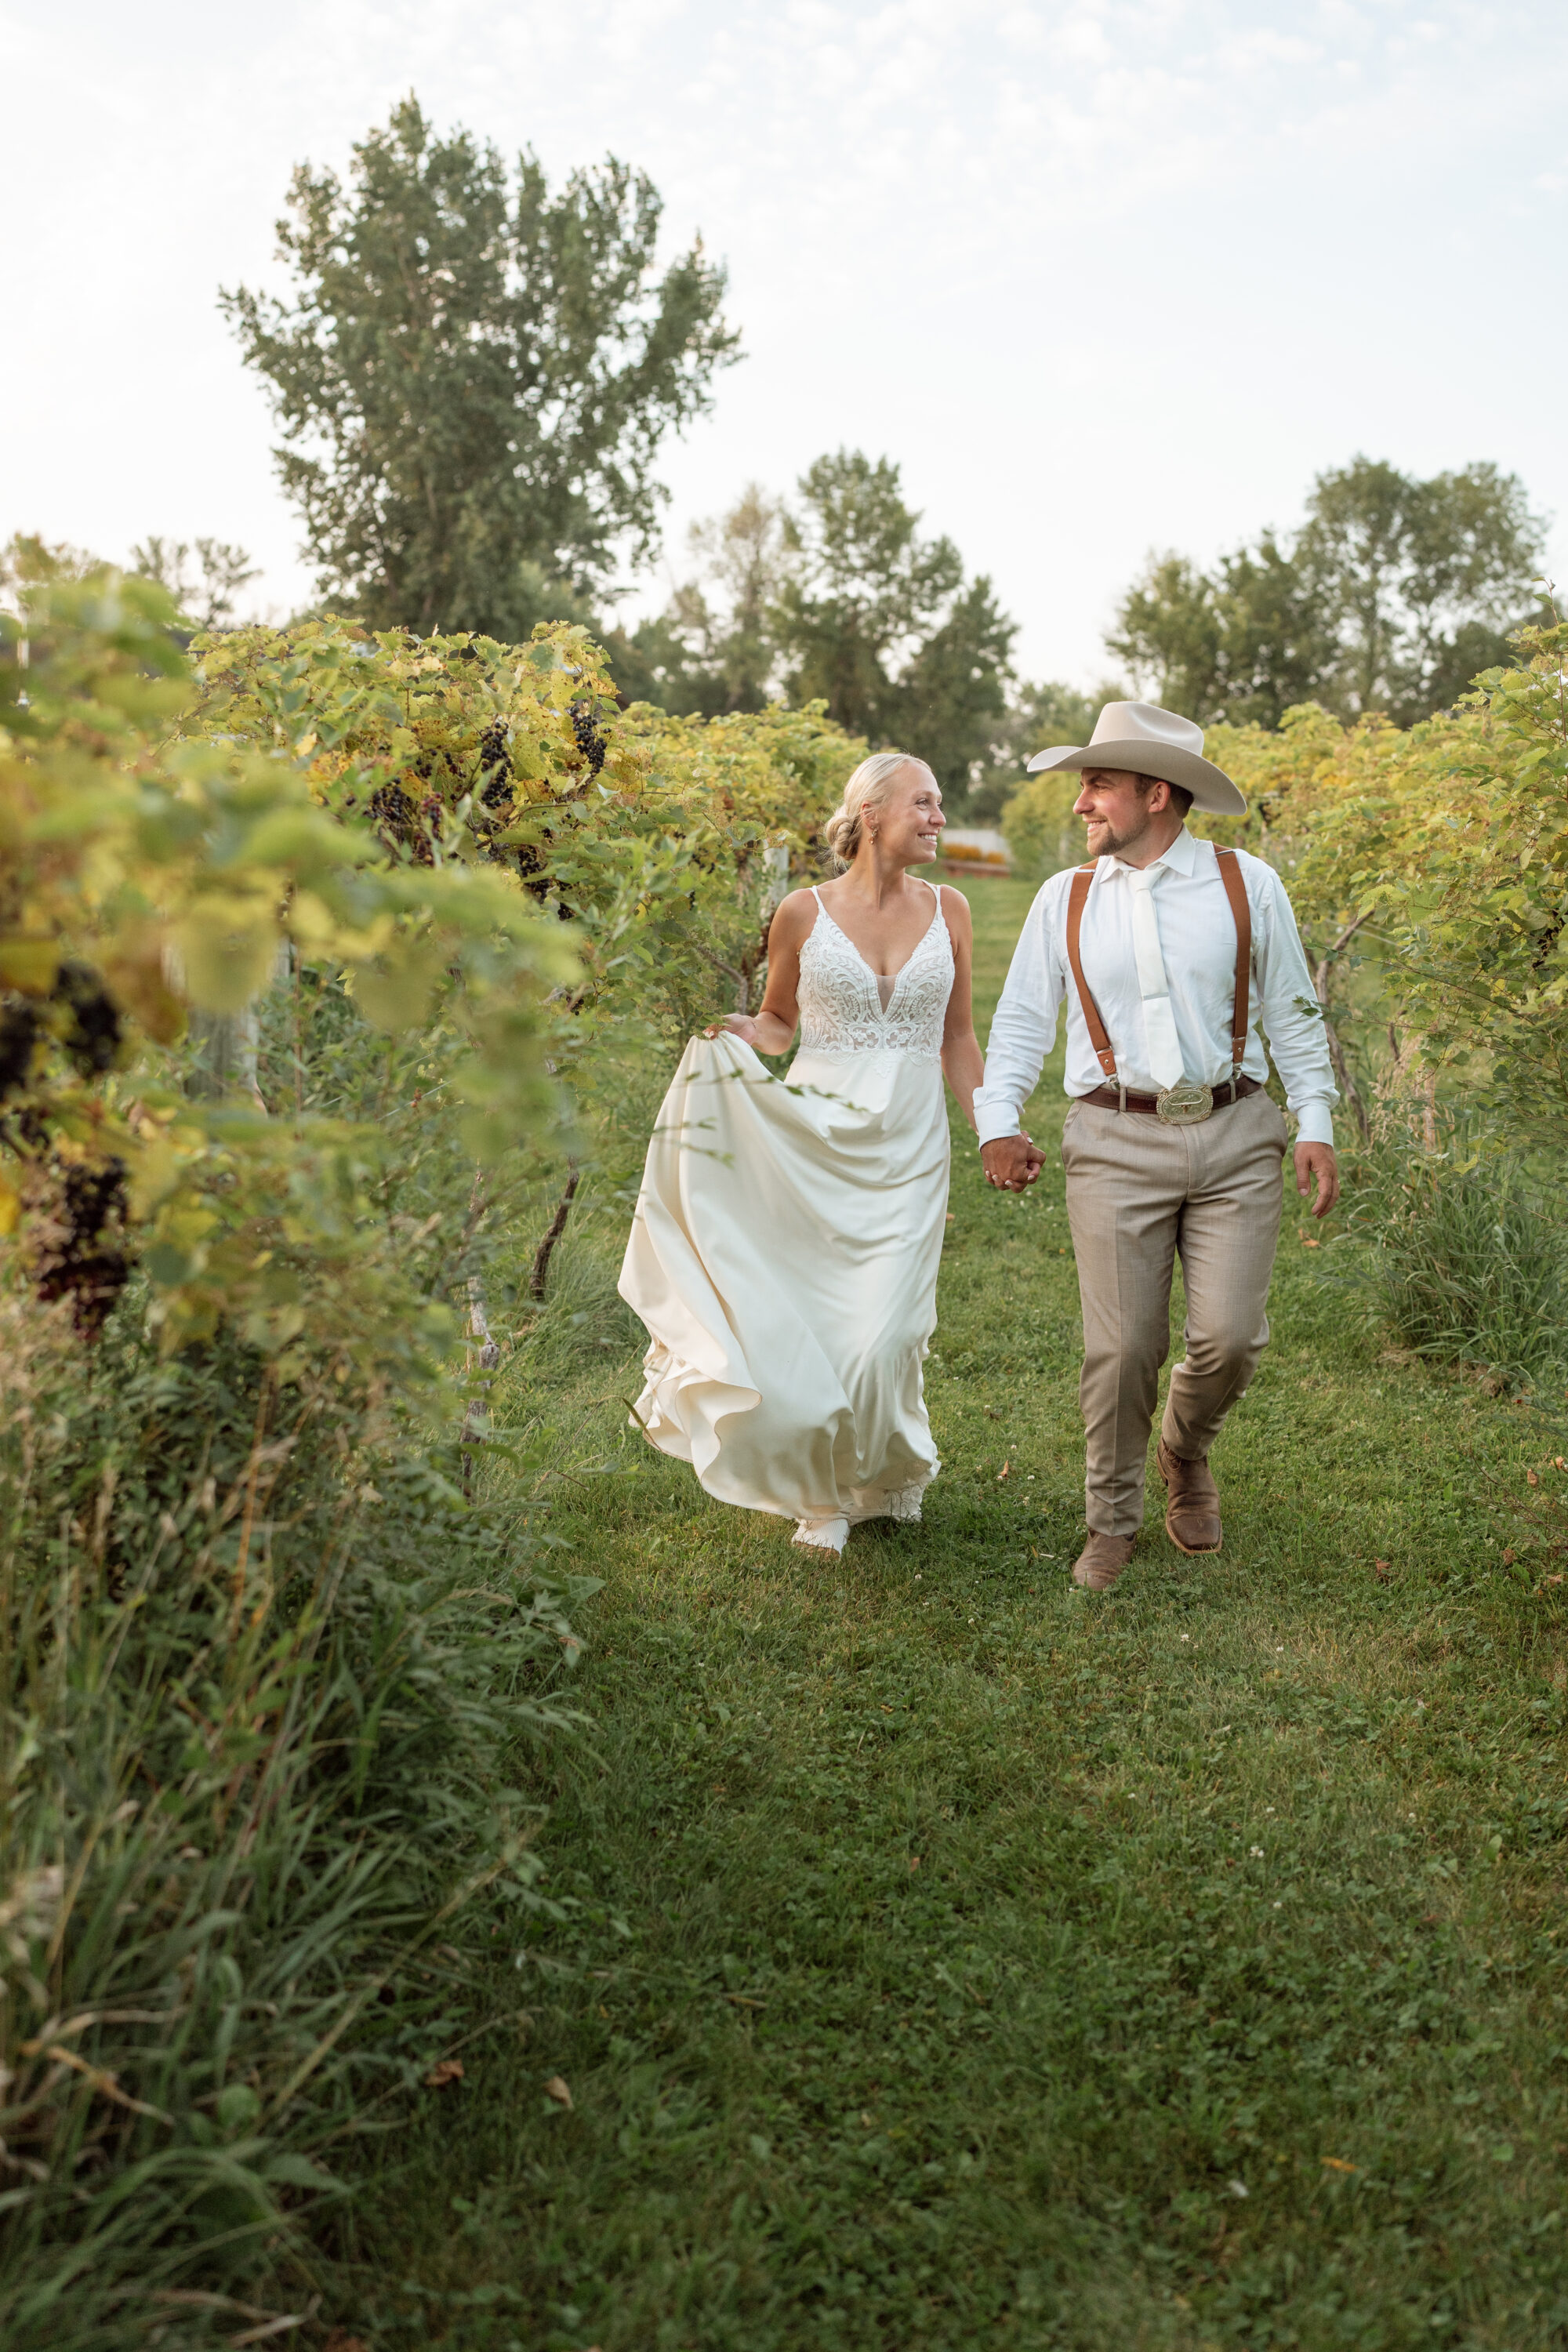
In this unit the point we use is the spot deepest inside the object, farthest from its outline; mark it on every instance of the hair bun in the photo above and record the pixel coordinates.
(867, 788)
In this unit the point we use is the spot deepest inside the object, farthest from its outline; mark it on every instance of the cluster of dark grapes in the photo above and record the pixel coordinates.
(92, 1031)
(495, 765)
(77, 1251)
(89, 1031)
(390, 807)
(75, 1247)
(533, 868)
(590, 742)
(19, 1026)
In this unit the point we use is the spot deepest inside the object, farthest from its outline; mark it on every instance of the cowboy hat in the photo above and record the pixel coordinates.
(1150, 742)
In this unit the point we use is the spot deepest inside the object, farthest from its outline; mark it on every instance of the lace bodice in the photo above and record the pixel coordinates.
(840, 1004)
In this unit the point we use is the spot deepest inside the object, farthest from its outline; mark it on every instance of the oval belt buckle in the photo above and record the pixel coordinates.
(1184, 1104)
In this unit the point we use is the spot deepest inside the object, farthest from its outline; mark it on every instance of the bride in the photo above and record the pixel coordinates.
(784, 1255)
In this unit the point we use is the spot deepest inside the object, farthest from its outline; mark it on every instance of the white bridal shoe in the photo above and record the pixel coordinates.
(822, 1534)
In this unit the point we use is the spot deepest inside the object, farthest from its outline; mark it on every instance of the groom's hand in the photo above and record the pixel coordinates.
(1012, 1162)
(1317, 1160)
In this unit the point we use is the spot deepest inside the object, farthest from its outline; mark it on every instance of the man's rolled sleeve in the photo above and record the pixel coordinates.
(1022, 1031)
(1293, 1023)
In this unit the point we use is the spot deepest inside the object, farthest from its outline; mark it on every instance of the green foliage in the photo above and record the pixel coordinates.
(1421, 581)
(164, 846)
(837, 603)
(839, 600)
(1468, 1262)
(266, 1692)
(714, 649)
(1434, 861)
(662, 842)
(1474, 887)
(1243, 643)
(269, 1682)
(263, 1671)
(1392, 596)
(28, 562)
(474, 375)
(1042, 832)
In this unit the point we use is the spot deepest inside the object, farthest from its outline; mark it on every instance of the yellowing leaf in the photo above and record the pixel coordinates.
(28, 963)
(394, 990)
(137, 980)
(227, 951)
(556, 2089)
(311, 922)
(10, 1207)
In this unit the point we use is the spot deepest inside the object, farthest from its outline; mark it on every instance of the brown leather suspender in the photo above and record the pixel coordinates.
(1103, 1049)
(1241, 912)
(1236, 891)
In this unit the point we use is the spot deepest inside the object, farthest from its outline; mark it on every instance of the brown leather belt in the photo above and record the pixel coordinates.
(1108, 1097)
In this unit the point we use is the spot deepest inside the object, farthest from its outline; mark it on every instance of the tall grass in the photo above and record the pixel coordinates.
(265, 1683)
(1468, 1261)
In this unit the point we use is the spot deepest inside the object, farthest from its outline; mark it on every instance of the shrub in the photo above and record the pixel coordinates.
(269, 1679)
(1469, 1265)
(261, 1697)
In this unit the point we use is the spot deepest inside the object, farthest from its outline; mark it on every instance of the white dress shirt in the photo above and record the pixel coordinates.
(1197, 948)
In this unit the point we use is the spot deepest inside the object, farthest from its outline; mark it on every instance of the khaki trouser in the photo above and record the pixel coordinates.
(1137, 1192)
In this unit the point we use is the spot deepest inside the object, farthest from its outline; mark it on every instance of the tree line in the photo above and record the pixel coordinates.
(473, 376)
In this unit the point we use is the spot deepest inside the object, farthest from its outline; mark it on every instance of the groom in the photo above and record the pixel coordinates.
(1167, 952)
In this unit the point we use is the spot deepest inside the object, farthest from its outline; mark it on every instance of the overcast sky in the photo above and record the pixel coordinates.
(1103, 276)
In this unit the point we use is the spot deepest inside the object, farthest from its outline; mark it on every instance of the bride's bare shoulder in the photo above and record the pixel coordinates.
(955, 909)
(794, 916)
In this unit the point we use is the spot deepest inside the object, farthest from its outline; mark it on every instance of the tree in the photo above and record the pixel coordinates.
(207, 596)
(837, 600)
(474, 376)
(1422, 583)
(952, 698)
(743, 557)
(877, 623)
(1168, 632)
(28, 561)
(1243, 643)
(713, 649)
(1390, 597)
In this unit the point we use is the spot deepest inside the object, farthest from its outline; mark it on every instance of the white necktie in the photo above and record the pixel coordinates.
(1159, 1021)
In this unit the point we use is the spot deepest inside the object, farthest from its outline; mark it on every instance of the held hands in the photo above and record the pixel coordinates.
(1317, 1160)
(1011, 1162)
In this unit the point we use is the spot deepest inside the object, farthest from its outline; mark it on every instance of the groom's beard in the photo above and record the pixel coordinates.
(1104, 840)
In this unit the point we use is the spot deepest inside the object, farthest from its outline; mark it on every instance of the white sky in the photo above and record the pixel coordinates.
(1101, 275)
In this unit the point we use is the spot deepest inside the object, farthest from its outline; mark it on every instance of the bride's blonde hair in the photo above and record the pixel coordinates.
(867, 788)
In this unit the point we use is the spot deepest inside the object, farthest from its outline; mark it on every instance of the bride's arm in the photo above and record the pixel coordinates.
(773, 1029)
(962, 1063)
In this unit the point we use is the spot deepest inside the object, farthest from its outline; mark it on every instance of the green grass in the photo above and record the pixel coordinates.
(950, 1958)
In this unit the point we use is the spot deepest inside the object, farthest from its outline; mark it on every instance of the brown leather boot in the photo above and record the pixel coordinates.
(1102, 1562)
(1191, 1510)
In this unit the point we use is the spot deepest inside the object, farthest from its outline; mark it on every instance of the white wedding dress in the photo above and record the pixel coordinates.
(784, 1250)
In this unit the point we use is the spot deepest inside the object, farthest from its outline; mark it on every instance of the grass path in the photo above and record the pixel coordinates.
(958, 1960)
